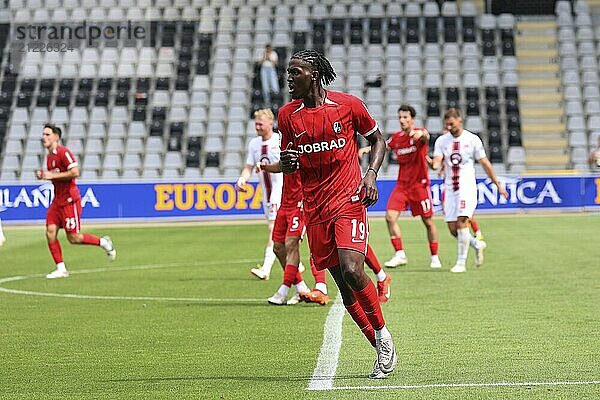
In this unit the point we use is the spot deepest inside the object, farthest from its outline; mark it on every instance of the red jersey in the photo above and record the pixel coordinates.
(326, 140)
(411, 158)
(292, 191)
(62, 160)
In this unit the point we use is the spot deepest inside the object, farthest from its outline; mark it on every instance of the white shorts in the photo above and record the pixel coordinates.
(459, 204)
(270, 210)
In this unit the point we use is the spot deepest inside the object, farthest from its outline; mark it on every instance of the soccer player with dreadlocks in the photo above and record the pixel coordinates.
(319, 139)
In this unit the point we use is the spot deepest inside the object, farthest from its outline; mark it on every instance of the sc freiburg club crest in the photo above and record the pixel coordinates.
(337, 127)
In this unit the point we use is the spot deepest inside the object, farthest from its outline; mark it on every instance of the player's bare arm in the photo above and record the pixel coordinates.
(436, 163)
(419, 134)
(489, 170)
(240, 185)
(271, 168)
(362, 151)
(368, 183)
(58, 176)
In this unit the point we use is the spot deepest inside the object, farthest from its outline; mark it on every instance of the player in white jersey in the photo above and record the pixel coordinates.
(458, 150)
(264, 148)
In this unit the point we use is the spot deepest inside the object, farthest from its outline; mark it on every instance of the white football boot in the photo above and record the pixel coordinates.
(111, 252)
(260, 273)
(458, 268)
(386, 354)
(435, 262)
(277, 299)
(57, 274)
(377, 372)
(398, 260)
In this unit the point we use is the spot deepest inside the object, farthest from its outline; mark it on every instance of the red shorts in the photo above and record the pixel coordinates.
(67, 217)
(289, 222)
(349, 230)
(417, 197)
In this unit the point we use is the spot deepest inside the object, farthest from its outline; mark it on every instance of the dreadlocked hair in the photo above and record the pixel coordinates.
(319, 63)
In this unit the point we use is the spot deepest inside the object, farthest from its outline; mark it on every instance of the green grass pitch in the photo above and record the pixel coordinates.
(178, 316)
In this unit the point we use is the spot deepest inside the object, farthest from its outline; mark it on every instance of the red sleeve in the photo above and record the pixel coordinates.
(284, 129)
(68, 158)
(363, 121)
(391, 142)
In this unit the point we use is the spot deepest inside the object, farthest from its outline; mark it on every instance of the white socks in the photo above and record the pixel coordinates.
(463, 245)
(283, 291)
(322, 287)
(302, 288)
(382, 333)
(61, 267)
(269, 259)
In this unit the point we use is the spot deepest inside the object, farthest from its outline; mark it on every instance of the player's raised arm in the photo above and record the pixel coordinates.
(378, 146)
(419, 134)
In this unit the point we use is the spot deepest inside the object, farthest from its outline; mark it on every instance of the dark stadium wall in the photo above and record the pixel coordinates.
(520, 7)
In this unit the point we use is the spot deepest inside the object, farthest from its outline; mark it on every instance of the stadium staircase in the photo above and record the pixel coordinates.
(543, 122)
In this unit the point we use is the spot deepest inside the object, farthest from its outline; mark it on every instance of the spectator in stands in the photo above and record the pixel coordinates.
(65, 210)
(264, 148)
(2, 237)
(267, 61)
(594, 158)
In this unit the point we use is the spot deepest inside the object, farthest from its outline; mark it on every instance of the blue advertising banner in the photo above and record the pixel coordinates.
(193, 200)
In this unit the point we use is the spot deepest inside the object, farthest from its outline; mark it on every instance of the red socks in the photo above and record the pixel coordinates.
(91, 239)
(474, 225)
(290, 275)
(397, 243)
(359, 316)
(56, 251)
(371, 260)
(319, 276)
(368, 300)
(433, 248)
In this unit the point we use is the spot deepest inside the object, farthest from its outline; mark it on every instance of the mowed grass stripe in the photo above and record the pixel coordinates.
(131, 298)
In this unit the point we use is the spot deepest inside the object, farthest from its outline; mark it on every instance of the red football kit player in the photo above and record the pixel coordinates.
(319, 139)
(330, 172)
(287, 233)
(65, 209)
(412, 188)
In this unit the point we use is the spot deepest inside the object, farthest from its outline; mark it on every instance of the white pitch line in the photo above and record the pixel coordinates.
(120, 269)
(324, 372)
(464, 385)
